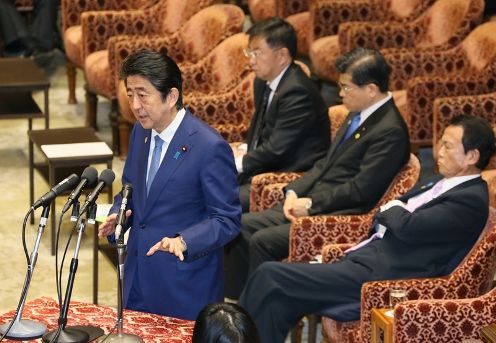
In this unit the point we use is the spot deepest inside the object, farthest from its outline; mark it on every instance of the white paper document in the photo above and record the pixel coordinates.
(76, 149)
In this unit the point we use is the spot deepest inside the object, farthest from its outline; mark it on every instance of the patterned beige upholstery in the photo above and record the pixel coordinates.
(193, 41)
(71, 11)
(427, 320)
(324, 16)
(467, 69)
(443, 25)
(482, 105)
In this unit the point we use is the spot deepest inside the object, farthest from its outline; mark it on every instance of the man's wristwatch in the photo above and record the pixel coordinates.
(308, 205)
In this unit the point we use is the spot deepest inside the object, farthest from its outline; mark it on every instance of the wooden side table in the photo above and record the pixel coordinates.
(55, 170)
(18, 78)
(382, 326)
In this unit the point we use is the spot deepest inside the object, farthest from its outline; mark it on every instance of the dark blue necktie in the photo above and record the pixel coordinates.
(155, 164)
(355, 123)
(260, 118)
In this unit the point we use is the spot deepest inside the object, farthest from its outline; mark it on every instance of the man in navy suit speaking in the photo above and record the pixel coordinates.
(185, 204)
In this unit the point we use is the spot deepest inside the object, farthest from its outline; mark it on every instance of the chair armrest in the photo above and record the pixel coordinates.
(258, 184)
(309, 234)
(442, 320)
(232, 132)
(334, 252)
(326, 15)
(99, 26)
(375, 294)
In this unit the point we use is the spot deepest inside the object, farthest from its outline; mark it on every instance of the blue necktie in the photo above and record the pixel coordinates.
(355, 123)
(155, 164)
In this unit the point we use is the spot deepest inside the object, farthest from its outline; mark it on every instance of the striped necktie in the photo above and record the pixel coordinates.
(155, 164)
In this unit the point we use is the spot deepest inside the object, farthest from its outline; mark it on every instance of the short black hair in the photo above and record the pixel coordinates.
(277, 32)
(477, 135)
(226, 323)
(365, 66)
(159, 69)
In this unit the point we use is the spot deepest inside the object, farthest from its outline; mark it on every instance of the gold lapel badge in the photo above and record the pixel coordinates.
(357, 136)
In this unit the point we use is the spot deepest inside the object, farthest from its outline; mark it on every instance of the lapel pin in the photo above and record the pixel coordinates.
(357, 136)
(176, 155)
(184, 148)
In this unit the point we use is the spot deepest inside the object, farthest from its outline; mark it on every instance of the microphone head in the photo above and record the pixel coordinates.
(72, 181)
(91, 175)
(107, 176)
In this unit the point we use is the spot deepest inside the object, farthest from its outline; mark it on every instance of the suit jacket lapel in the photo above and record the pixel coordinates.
(177, 151)
(143, 152)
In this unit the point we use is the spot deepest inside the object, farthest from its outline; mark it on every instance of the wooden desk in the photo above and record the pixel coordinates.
(150, 327)
(382, 326)
(55, 170)
(19, 77)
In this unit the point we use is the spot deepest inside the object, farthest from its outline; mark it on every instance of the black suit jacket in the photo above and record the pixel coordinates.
(432, 240)
(352, 178)
(295, 131)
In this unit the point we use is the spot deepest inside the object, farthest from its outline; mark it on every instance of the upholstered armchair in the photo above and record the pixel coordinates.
(266, 188)
(467, 69)
(220, 71)
(324, 17)
(442, 26)
(72, 32)
(193, 41)
(425, 319)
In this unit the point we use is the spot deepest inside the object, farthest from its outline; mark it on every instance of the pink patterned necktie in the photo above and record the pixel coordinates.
(425, 197)
(412, 205)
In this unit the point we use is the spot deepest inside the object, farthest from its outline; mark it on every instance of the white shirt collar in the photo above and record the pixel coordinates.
(170, 130)
(454, 181)
(274, 83)
(364, 114)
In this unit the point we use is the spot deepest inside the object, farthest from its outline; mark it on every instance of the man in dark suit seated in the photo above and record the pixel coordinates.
(426, 233)
(290, 129)
(369, 150)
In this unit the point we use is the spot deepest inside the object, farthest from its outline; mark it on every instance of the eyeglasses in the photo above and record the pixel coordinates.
(252, 53)
(346, 88)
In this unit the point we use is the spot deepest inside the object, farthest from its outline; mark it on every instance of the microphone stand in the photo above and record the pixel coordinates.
(120, 336)
(74, 334)
(25, 329)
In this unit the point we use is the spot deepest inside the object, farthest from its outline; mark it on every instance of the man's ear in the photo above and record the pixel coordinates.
(372, 90)
(172, 97)
(473, 156)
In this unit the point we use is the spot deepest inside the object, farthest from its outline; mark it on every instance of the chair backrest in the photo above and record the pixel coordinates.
(449, 21)
(221, 70)
(408, 8)
(207, 28)
(480, 46)
(289, 7)
(445, 109)
(177, 12)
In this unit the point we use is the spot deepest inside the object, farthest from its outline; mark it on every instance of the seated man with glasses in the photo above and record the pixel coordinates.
(290, 128)
(369, 150)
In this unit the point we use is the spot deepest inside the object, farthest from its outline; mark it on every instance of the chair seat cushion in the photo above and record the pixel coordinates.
(98, 76)
(73, 45)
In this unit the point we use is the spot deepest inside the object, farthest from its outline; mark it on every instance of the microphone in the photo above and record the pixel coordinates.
(88, 178)
(106, 178)
(64, 185)
(126, 193)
